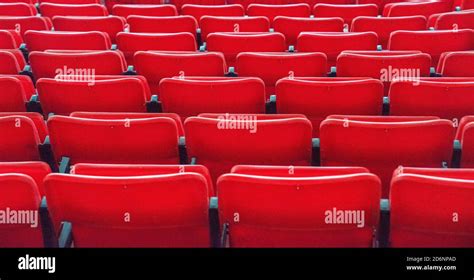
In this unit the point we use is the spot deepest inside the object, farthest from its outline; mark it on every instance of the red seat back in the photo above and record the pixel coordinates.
(63, 96)
(414, 222)
(318, 98)
(231, 44)
(130, 43)
(193, 95)
(271, 67)
(50, 40)
(178, 64)
(151, 140)
(18, 192)
(305, 207)
(124, 170)
(20, 141)
(383, 146)
(143, 211)
(227, 140)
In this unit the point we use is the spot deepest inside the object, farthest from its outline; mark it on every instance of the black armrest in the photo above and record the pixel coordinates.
(49, 236)
(271, 105)
(385, 106)
(231, 72)
(433, 73)
(33, 105)
(183, 154)
(46, 154)
(457, 153)
(225, 236)
(65, 235)
(199, 37)
(27, 72)
(65, 165)
(153, 106)
(24, 51)
(130, 71)
(384, 225)
(316, 161)
(214, 222)
(202, 48)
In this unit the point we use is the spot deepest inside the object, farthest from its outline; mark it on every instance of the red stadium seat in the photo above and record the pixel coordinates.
(452, 20)
(68, 1)
(384, 65)
(318, 98)
(272, 11)
(26, 83)
(346, 12)
(144, 10)
(297, 211)
(20, 141)
(291, 27)
(212, 24)
(17, 9)
(222, 142)
(180, 3)
(246, 3)
(80, 77)
(178, 64)
(231, 44)
(271, 67)
(295, 171)
(452, 173)
(122, 116)
(194, 95)
(65, 95)
(464, 121)
(9, 63)
(16, 36)
(258, 117)
(19, 59)
(466, 135)
(387, 119)
(85, 10)
(23, 24)
(415, 223)
(464, 4)
(130, 43)
(50, 64)
(384, 26)
(425, 9)
(110, 24)
(456, 64)
(173, 24)
(151, 140)
(333, 43)
(163, 210)
(12, 94)
(36, 118)
(384, 143)
(124, 170)
(37, 170)
(7, 40)
(198, 11)
(433, 43)
(19, 192)
(51, 40)
(20, 1)
(448, 99)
